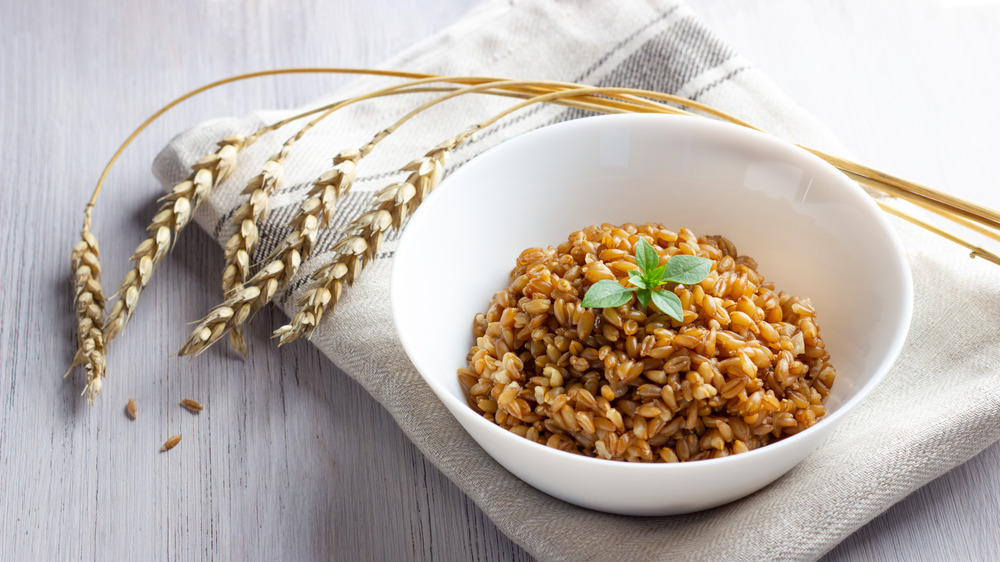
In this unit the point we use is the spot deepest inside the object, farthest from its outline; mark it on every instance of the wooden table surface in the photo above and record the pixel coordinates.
(292, 460)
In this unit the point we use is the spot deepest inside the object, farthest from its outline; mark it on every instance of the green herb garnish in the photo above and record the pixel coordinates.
(681, 269)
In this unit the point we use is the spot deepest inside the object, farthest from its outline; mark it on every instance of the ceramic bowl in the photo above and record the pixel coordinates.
(813, 232)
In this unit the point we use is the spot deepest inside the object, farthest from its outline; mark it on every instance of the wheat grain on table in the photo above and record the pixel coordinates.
(290, 459)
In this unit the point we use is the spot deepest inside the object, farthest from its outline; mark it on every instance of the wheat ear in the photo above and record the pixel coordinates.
(364, 237)
(89, 302)
(241, 244)
(173, 215)
(284, 263)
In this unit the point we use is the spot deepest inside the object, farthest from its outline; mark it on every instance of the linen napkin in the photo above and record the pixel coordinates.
(937, 408)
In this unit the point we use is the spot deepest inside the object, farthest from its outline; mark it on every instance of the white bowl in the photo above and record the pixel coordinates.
(812, 231)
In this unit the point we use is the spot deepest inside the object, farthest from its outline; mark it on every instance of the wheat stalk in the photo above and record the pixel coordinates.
(259, 189)
(89, 303)
(173, 215)
(314, 214)
(94, 332)
(178, 207)
(625, 101)
(364, 237)
(352, 253)
(185, 198)
(365, 234)
(285, 261)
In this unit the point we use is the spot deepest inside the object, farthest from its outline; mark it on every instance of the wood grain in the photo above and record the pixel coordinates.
(291, 459)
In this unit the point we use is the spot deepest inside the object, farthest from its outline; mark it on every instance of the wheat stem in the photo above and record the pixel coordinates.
(356, 71)
(974, 250)
(969, 209)
(958, 219)
(943, 208)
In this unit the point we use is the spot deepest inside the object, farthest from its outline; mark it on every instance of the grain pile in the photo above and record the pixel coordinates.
(746, 367)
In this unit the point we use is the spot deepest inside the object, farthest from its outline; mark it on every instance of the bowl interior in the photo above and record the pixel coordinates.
(812, 231)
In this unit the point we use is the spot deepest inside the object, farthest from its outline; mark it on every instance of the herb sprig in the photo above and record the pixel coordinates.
(681, 268)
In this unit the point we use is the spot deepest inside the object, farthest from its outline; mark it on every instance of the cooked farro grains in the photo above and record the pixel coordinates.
(746, 367)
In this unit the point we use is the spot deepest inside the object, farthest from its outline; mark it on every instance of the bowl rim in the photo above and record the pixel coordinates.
(794, 153)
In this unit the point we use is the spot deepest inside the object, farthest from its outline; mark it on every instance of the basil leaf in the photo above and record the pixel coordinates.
(687, 270)
(645, 256)
(606, 294)
(643, 296)
(637, 279)
(669, 304)
(653, 278)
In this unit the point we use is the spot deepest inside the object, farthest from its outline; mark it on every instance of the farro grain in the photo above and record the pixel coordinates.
(192, 405)
(171, 442)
